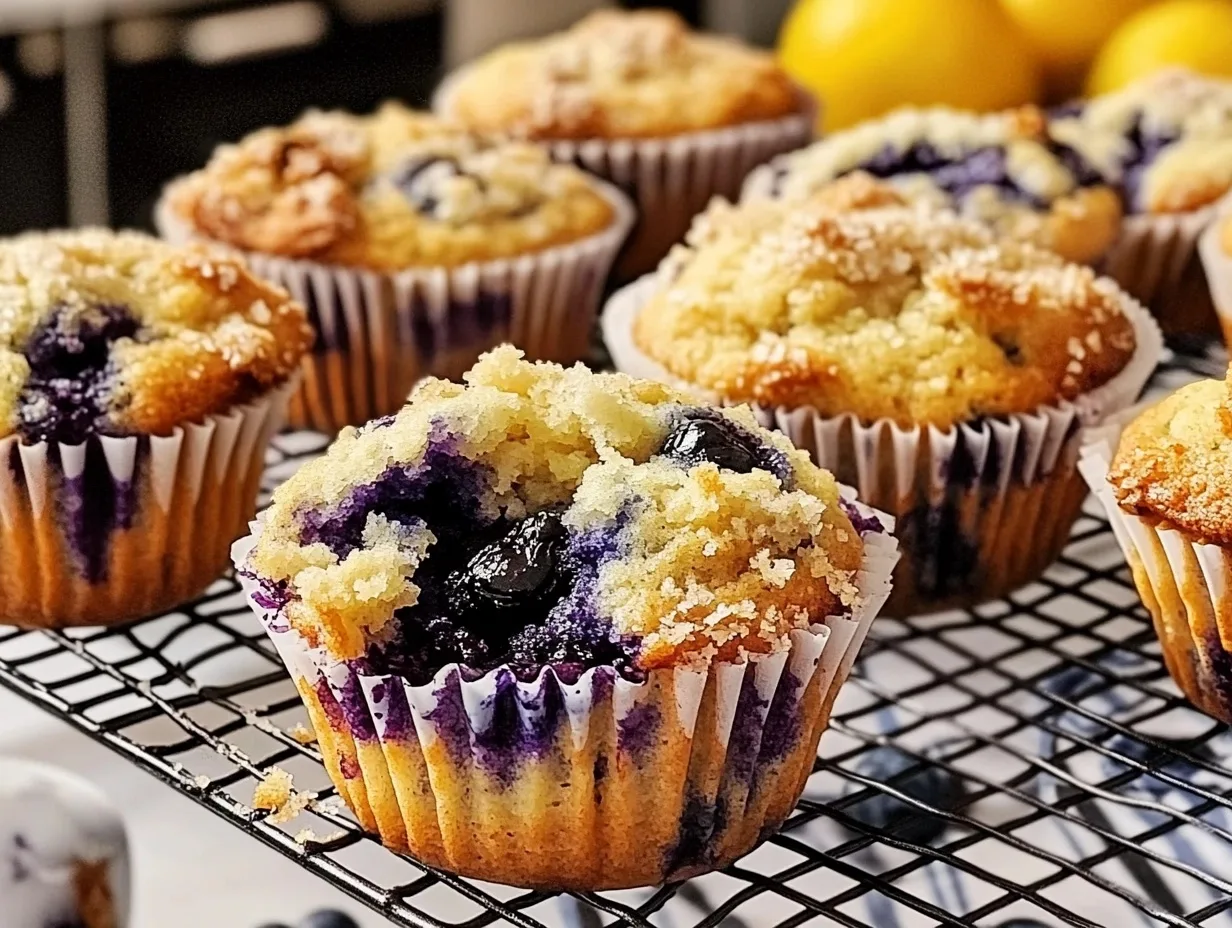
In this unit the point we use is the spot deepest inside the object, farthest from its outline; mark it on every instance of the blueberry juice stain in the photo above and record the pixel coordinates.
(66, 400)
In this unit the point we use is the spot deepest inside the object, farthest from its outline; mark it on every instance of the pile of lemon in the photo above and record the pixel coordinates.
(865, 57)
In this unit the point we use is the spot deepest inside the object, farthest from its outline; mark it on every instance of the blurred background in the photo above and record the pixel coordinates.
(102, 101)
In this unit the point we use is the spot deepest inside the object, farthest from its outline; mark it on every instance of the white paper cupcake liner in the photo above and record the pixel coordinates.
(1185, 584)
(965, 497)
(115, 529)
(378, 333)
(1217, 265)
(1155, 260)
(672, 179)
(588, 784)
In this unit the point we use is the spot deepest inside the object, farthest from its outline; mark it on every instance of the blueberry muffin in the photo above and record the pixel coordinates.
(414, 244)
(140, 383)
(1166, 490)
(943, 371)
(1006, 169)
(672, 115)
(565, 629)
(1166, 143)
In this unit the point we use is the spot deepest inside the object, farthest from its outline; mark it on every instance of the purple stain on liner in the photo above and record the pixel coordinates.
(782, 729)
(513, 737)
(600, 771)
(355, 709)
(399, 725)
(449, 717)
(702, 822)
(349, 767)
(863, 523)
(329, 705)
(93, 505)
(746, 731)
(635, 733)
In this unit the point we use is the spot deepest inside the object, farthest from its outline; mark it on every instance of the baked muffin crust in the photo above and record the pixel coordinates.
(621, 75)
(1174, 462)
(1004, 169)
(392, 190)
(118, 334)
(910, 314)
(1166, 140)
(666, 558)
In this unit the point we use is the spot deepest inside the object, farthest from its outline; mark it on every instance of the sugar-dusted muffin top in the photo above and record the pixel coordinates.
(548, 516)
(117, 334)
(1004, 169)
(910, 314)
(1166, 141)
(621, 75)
(392, 190)
(1174, 462)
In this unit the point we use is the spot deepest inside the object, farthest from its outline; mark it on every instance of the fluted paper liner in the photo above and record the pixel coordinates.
(982, 508)
(115, 529)
(598, 783)
(378, 333)
(1217, 264)
(1186, 586)
(671, 179)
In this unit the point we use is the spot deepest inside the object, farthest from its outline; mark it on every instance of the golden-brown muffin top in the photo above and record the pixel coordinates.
(909, 314)
(1003, 169)
(392, 190)
(118, 333)
(1174, 462)
(647, 531)
(621, 75)
(1165, 140)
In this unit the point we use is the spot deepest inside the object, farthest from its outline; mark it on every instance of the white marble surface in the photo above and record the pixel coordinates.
(191, 869)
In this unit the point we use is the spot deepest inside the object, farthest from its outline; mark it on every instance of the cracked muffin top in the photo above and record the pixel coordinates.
(1006, 169)
(618, 75)
(1165, 141)
(542, 516)
(910, 314)
(1174, 462)
(392, 190)
(106, 333)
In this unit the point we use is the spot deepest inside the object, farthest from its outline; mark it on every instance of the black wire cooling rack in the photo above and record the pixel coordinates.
(1027, 763)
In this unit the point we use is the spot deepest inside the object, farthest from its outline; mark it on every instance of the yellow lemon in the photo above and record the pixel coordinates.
(865, 57)
(1192, 33)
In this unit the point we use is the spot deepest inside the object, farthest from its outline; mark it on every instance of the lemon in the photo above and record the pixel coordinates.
(1069, 32)
(865, 57)
(1192, 33)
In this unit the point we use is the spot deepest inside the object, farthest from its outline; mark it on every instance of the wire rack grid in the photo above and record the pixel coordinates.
(1027, 763)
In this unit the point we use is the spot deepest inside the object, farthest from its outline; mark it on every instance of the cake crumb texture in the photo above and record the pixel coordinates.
(906, 313)
(1174, 462)
(392, 190)
(677, 560)
(618, 74)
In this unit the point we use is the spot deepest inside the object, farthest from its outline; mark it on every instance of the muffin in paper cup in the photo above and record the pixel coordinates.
(965, 490)
(415, 247)
(617, 95)
(1161, 484)
(140, 404)
(1004, 169)
(580, 750)
(1166, 142)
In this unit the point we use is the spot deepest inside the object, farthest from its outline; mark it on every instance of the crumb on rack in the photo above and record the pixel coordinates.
(202, 781)
(277, 795)
(301, 733)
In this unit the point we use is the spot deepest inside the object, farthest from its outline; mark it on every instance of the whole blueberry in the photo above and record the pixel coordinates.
(516, 571)
(714, 439)
(328, 918)
(929, 784)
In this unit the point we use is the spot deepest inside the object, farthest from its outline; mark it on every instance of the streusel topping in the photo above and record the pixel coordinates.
(392, 190)
(1166, 140)
(1174, 462)
(546, 516)
(1004, 169)
(621, 75)
(910, 314)
(118, 333)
